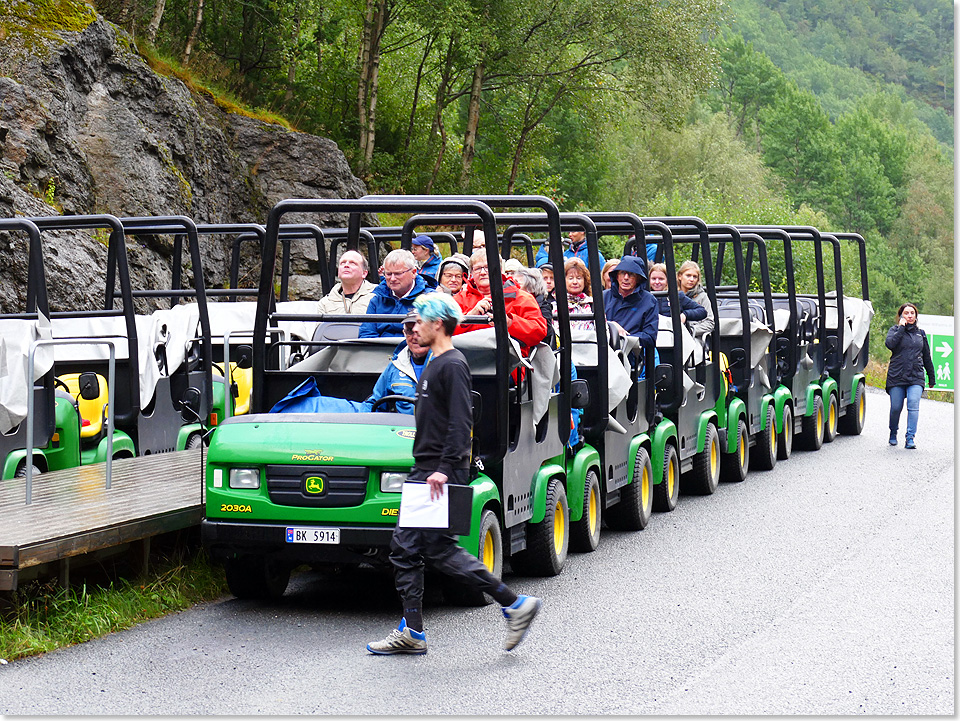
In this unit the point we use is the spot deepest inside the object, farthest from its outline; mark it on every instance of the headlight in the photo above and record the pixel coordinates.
(392, 481)
(244, 478)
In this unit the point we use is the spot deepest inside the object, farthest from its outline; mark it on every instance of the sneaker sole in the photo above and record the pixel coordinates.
(409, 652)
(527, 629)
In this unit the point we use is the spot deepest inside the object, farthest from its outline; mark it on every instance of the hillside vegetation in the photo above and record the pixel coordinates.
(834, 112)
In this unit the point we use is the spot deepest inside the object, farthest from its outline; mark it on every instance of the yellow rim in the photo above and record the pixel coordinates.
(714, 457)
(645, 496)
(820, 420)
(670, 479)
(833, 415)
(773, 439)
(489, 553)
(742, 448)
(558, 529)
(593, 510)
(862, 408)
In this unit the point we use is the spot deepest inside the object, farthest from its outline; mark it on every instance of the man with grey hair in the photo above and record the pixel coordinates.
(400, 286)
(352, 294)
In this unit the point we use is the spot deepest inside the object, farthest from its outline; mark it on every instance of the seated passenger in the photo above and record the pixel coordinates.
(688, 277)
(628, 305)
(546, 270)
(578, 292)
(605, 272)
(531, 280)
(525, 322)
(425, 251)
(400, 377)
(352, 294)
(400, 286)
(690, 310)
(453, 273)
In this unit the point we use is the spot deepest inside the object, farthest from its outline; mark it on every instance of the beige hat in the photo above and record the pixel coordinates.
(511, 264)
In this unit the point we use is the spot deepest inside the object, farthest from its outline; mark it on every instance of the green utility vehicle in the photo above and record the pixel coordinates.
(285, 489)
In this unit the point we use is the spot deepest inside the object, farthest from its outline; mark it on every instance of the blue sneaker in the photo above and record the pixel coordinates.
(400, 640)
(893, 438)
(910, 445)
(519, 617)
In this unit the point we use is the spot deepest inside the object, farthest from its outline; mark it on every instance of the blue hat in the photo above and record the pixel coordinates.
(426, 241)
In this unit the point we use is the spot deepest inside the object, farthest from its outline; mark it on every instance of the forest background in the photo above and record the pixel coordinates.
(832, 113)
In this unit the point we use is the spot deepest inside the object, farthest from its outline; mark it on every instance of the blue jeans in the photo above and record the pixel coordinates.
(912, 395)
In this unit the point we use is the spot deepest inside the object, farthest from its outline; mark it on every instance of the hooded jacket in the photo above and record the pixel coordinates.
(384, 302)
(638, 313)
(911, 356)
(335, 302)
(705, 326)
(528, 325)
(431, 266)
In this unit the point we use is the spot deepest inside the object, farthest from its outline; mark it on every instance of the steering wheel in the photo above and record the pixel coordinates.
(219, 368)
(58, 382)
(394, 397)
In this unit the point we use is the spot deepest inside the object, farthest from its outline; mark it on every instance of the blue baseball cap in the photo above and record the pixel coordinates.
(426, 241)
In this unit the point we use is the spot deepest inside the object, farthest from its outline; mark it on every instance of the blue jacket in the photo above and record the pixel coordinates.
(581, 253)
(384, 302)
(688, 305)
(432, 266)
(638, 312)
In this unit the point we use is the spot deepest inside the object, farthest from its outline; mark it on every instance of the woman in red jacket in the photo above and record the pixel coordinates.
(525, 322)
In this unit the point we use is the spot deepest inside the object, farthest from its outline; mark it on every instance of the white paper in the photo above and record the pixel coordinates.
(418, 511)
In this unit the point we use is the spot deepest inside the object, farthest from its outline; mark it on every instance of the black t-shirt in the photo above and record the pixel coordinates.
(444, 415)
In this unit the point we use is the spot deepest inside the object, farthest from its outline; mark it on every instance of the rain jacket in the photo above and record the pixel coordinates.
(528, 325)
(637, 313)
(384, 302)
(431, 267)
(701, 327)
(911, 356)
(334, 302)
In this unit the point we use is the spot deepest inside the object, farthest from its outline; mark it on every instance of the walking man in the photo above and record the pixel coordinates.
(441, 455)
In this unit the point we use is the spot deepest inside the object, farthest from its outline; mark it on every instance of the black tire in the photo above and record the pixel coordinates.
(811, 430)
(734, 466)
(585, 533)
(194, 440)
(666, 494)
(490, 553)
(785, 437)
(256, 577)
(633, 511)
(763, 455)
(851, 423)
(703, 479)
(21, 471)
(830, 420)
(547, 541)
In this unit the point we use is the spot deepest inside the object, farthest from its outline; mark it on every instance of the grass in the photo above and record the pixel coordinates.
(44, 618)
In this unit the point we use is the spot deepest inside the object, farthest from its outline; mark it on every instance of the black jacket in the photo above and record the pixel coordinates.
(911, 356)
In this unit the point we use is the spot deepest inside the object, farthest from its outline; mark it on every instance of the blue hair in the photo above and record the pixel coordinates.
(438, 306)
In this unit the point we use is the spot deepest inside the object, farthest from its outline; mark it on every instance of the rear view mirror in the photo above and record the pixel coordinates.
(190, 405)
(664, 376)
(737, 358)
(579, 394)
(89, 386)
(244, 356)
(477, 406)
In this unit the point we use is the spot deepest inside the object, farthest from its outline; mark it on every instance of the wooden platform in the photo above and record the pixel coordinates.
(73, 513)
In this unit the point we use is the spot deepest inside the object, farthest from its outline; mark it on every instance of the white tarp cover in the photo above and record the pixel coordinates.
(760, 336)
(584, 353)
(302, 329)
(857, 312)
(16, 335)
(692, 348)
(544, 376)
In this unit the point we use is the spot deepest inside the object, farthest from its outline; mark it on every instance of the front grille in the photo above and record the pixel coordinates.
(339, 486)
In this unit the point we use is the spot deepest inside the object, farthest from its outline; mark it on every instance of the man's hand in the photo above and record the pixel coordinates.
(436, 481)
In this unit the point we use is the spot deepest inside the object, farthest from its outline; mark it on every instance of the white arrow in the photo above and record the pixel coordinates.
(945, 349)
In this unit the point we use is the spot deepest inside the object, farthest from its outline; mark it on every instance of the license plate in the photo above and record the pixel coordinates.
(313, 535)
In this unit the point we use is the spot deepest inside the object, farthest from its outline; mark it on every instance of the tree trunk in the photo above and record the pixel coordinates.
(126, 19)
(294, 55)
(416, 93)
(440, 105)
(473, 122)
(154, 25)
(193, 33)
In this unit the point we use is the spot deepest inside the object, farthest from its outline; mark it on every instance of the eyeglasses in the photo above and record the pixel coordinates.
(480, 268)
(397, 273)
(408, 330)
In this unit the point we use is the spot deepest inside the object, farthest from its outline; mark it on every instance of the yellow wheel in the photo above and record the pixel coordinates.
(585, 533)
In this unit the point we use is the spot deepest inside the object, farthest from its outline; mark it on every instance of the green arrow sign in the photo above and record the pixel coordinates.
(940, 336)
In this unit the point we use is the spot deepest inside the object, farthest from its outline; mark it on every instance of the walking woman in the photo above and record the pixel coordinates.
(910, 358)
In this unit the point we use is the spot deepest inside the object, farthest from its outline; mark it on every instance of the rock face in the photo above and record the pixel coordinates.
(86, 126)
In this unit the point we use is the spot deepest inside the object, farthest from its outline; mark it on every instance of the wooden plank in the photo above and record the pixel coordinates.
(73, 513)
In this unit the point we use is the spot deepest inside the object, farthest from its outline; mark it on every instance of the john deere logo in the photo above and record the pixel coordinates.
(407, 433)
(314, 485)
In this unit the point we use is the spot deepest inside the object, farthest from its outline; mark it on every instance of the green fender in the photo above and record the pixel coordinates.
(781, 396)
(586, 458)
(484, 493)
(665, 432)
(121, 443)
(830, 388)
(813, 390)
(705, 418)
(765, 402)
(736, 410)
(857, 380)
(641, 439)
(14, 457)
(540, 483)
(184, 433)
